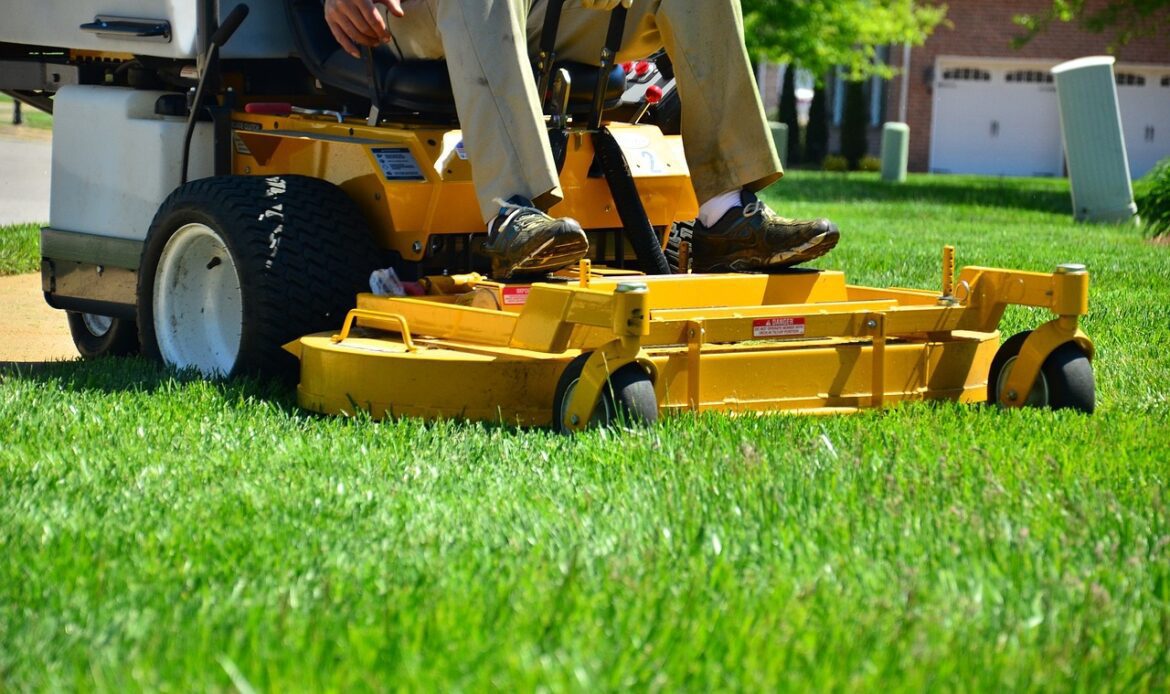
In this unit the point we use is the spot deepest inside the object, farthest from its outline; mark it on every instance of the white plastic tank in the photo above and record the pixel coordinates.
(1094, 146)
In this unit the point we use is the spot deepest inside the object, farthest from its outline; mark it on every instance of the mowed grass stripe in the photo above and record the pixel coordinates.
(162, 532)
(20, 249)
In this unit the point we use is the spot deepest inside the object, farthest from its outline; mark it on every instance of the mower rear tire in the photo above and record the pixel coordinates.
(626, 400)
(102, 336)
(234, 267)
(1065, 380)
(680, 233)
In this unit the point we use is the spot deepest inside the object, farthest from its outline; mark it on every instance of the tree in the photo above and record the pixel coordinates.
(1124, 19)
(823, 34)
(817, 135)
(854, 125)
(789, 116)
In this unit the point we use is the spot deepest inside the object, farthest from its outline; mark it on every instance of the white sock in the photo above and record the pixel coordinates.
(713, 210)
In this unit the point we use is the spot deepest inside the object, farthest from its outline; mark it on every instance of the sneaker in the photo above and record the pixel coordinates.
(753, 238)
(524, 240)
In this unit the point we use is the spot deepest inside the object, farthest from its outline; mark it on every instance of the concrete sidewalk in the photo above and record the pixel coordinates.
(25, 163)
(30, 331)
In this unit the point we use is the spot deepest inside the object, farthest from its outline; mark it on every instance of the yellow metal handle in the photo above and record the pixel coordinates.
(354, 314)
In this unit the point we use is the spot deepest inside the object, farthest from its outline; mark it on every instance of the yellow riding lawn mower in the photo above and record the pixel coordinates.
(219, 205)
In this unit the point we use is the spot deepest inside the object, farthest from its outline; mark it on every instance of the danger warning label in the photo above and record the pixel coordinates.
(778, 327)
(516, 296)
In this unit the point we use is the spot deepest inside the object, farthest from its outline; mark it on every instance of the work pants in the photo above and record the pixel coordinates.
(487, 44)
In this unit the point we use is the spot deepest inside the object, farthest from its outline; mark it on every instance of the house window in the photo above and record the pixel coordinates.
(971, 74)
(1128, 79)
(1030, 76)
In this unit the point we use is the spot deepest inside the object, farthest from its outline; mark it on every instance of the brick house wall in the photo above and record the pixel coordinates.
(984, 28)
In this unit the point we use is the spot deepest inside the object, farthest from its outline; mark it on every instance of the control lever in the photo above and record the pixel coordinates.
(210, 75)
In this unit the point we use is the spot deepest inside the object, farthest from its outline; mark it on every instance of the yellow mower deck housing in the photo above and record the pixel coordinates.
(799, 341)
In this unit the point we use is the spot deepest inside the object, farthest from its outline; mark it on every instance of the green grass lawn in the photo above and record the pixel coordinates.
(162, 532)
(20, 249)
(33, 118)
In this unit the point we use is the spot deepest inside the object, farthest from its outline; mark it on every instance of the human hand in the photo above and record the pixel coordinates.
(358, 22)
(606, 4)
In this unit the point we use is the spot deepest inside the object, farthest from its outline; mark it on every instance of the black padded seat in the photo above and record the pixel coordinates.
(422, 86)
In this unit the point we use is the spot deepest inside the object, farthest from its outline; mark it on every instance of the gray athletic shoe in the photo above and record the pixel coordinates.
(524, 240)
(753, 238)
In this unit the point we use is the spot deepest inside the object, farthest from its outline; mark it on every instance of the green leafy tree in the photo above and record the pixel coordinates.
(822, 34)
(1125, 20)
(817, 135)
(789, 115)
(854, 125)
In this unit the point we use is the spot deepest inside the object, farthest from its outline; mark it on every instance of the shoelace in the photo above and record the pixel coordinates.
(493, 227)
(753, 208)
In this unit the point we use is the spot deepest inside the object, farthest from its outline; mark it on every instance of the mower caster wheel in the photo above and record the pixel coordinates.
(102, 336)
(1065, 380)
(627, 400)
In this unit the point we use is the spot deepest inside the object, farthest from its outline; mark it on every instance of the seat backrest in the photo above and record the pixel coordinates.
(422, 86)
(323, 56)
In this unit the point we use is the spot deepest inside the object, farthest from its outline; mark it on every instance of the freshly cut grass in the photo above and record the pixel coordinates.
(163, 532)
(20, 249)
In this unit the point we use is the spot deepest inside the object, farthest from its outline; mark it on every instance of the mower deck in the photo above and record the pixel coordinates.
(802, 341)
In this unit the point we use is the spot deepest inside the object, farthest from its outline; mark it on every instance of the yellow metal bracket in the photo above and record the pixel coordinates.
(630, 324)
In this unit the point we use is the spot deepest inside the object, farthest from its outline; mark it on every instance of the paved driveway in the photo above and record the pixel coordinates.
(24, 179)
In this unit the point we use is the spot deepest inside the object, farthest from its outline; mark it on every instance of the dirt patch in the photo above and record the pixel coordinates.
(30, 330)
(1161, 240)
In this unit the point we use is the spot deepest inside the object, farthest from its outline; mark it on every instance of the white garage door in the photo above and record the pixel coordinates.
(1144, 99)
(995, 119)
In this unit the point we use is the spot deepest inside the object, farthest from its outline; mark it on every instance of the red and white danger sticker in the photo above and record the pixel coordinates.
(778, 327)
(516, 296)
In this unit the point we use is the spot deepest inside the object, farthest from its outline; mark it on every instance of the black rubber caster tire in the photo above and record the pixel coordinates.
(1065, 381)
(101, 336)
(234, 267)
(628, 399)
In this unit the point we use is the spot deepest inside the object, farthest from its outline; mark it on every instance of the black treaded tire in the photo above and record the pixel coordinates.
(118, 339)
(680, 232)
(301, 249)
(628, 399)
(1066, 378)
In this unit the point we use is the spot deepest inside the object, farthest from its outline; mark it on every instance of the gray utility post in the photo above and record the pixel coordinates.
(1090, 123)
(17, 118)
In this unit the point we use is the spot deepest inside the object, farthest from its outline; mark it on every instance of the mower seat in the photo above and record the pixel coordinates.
(421, 86)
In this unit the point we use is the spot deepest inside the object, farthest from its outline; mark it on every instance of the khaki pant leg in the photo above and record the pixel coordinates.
(725, 133)
(484, 42)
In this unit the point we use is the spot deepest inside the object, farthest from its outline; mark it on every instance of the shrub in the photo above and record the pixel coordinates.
(1152, 194)
(870, 163)
(835, 162)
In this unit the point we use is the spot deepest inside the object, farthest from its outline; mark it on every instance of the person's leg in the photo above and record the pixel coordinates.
(495, 95)
(728, 144)
(726, 136)
(504, 133)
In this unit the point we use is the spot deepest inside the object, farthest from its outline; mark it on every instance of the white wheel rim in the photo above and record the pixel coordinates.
(601, 414)
(198, 302)
(97, 325)
(1038, 397)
